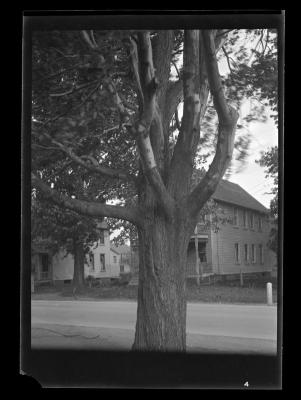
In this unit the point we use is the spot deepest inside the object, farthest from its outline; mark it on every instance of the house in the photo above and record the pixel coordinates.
(102, 261)
(125, 257)
(239, 246)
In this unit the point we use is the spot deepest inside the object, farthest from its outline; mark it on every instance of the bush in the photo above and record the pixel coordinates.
(122, 280)
(92, 281)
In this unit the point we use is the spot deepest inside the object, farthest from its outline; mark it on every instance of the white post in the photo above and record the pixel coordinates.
(269, 294)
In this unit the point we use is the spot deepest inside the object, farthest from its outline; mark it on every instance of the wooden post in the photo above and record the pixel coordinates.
(269, 294)
(241, 278)
(197, 264)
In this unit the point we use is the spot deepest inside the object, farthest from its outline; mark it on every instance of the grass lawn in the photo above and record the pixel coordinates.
(217, 293)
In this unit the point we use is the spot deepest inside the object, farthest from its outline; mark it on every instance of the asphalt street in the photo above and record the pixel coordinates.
(111, 324)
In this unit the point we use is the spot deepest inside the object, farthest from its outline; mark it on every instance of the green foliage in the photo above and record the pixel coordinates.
(269, 160)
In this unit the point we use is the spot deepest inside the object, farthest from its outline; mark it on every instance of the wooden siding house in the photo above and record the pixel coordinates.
(239, 246)
(102, 262)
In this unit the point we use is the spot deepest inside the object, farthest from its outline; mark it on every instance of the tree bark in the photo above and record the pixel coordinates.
(79, 265)
(161, 314)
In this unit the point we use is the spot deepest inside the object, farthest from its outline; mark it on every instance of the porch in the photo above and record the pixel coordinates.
(41, 268)
(199, 265)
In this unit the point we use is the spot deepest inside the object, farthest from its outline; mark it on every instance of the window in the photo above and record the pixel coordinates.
(102, 262)
(44, 272)
(237, 255)
(101, 237)
(253, 253)
(259, 223)
(245, 218)
(251, 220)
(91, 259)
(235, 216)
(114, 259)
(261, 254)
(246, 253)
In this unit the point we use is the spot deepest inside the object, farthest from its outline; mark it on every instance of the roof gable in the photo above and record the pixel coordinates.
(232, 193)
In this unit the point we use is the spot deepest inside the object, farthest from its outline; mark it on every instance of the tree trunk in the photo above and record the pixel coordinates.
(161, 314)
(79, 258)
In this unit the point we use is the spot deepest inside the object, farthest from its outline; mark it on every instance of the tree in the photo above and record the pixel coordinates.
(269, 159)
(138, 97)
(64, 230)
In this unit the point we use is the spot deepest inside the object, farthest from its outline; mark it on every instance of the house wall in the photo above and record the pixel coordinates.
(223, 242)
(63, 265)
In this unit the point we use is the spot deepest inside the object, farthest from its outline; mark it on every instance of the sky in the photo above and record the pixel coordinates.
(253, 178)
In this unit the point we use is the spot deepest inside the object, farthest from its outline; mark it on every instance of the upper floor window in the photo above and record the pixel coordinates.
(261, 260)
(236, 251)
(253, 253)
(251, 220)
(101, 237)
(235, 216)
(115, 259)
(246, 253)
(259, 223)
(244, 217)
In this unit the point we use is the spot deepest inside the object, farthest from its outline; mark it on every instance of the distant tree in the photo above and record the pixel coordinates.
(64, 232)
(269, 160)
(107, 102)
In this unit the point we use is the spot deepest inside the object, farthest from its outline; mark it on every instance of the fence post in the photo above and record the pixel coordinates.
(241, 278)
(269, 294)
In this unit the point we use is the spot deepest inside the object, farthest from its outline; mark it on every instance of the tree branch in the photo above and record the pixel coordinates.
(227, 117)
(216, 88)
(94, 166)
(149, 85)
(93, 209)
(184, 150)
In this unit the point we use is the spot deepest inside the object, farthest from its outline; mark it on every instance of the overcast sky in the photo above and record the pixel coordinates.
(252, 178)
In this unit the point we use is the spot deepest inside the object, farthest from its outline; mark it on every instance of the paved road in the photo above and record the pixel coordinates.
(217, 327)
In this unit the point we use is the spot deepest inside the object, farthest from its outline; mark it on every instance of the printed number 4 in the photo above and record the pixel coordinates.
(246, 384)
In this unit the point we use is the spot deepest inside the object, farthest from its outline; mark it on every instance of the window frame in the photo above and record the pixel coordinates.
(92, 264)
(246, 253)
(251, 219)
(259, 223)
(253, 253)
(237, 253)
(261, 253)
(235, 217)
(245, 218)
(102, 266)
(101, 237)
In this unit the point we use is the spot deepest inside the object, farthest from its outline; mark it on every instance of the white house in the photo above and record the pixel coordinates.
(103, 261)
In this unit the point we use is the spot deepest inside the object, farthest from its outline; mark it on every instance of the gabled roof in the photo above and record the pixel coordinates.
(232, 193)
(122, 249)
